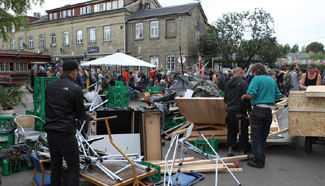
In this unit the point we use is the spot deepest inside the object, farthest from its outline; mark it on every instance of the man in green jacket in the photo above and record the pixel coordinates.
(263, 91)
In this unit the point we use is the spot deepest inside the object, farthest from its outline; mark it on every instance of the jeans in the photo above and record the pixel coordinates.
(63, 145)
(135, 92)
(261, 120)
(233, 127)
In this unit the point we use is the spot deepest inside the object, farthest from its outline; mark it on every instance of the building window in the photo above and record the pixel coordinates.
(81, 11)
(64, 14)
(5, 67)
(69, 13)
(22, 67)
(155, 61)
(114, 4)
(171, 28)
(73, 12)
(92, 35)
(41, 41)
(65, 38)
(154, 29)
(4, 45)
(120, 3)
(31, 42)
(79, 36)
(21, 43)
(102, 7)
(170, 63)
(55, 15)
(138, 30)
(88, 10)
(13, 44)
(107, 33)
(109, 6)
(53, 40)
(96, 8)
(50, 16)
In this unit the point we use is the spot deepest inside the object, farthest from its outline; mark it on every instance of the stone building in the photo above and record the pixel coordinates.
(92, 29)
(155, 35)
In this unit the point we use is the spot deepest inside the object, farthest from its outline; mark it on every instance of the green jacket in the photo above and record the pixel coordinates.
(264, 90)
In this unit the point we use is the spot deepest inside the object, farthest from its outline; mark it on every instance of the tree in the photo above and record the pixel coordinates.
(237, 38)
(13, 14)
(295, 48)
(315, 47)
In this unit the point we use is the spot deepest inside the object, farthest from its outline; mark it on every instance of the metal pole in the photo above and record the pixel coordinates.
(181, 58)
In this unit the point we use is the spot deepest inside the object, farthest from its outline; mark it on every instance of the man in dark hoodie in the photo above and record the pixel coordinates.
(236, 110)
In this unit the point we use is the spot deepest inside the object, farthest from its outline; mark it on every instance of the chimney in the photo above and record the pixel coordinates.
(145, 4)
(37, 14)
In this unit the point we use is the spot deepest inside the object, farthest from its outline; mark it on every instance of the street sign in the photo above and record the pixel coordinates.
(183, 59)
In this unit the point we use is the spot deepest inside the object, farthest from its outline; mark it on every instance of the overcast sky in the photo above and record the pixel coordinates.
(296, 21)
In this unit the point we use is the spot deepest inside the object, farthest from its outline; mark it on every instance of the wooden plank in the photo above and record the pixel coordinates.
(203, 110)
(274, 125)
(152, 135)
(306, 124)
(172, 109)
(204, 168)
(307, 110)
(209, 133)
(162, 162)
(278, 133)
(177, 118)
(315, 91)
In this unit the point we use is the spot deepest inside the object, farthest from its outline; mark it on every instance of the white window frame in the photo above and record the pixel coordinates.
(154, 29)
(30, 42)
(109, 6)
(139, 31)
(22, 67)
(92, 35)
(55, 15)
(107, 33)
(79, 37)
(81, 10)
(73, 13)
(65, 38)
(154, 60)
(4, 46)
(53, 39)
(69, 13)
(13, 44)
(170, 63)
(41, 40)
(50, 16)
(4, 67)
(114, 5)
(21, 43)
(64, 14)
(88, 10)
(102, 7)
(120, 3)
(96, 8)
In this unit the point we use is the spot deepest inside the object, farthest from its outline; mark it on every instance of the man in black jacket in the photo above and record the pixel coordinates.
(63, 105)
(236, 112)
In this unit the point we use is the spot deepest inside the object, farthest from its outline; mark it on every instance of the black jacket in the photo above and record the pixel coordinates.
(64, 104)
(234, 89)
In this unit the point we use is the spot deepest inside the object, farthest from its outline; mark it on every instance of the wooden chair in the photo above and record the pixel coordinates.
(43, 178)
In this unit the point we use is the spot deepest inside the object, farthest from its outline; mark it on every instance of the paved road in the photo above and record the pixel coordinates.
(285, 166)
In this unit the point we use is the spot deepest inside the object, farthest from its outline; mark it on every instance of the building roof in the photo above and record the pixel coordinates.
(42, 19)
(22, 53)
(178, 9)
(298, 55)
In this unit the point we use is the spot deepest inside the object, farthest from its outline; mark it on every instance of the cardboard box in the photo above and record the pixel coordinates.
(144, 96)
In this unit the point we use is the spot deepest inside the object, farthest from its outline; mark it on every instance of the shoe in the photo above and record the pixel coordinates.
(231, 154)
(254, 164)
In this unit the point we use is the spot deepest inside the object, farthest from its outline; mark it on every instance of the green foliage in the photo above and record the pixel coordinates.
(315, 47)
(238, 38)
(11, 96)
(318, 55)
(295, 48)
(14, 14)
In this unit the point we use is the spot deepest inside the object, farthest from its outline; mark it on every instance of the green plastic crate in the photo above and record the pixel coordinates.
(201, 144)
(170, 122)
(156, 177)
(9, 167)
(7, 124)
(7, 140)
(119, 83)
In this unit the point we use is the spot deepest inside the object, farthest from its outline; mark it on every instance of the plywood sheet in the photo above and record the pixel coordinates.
(203, 110)
(315, 91)
(297, 99)
(152, 136)
(307, 124)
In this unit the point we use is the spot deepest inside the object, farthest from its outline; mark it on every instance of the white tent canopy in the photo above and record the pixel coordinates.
(118, 59)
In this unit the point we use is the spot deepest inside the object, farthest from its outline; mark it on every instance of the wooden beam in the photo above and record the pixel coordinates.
(278, 133)
(204, 168)
(162, 162)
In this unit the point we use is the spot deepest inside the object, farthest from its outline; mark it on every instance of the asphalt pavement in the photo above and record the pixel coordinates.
(286, 165)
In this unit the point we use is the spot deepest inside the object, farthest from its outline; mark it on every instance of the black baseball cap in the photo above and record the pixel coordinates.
(70, 65)
(311, 65)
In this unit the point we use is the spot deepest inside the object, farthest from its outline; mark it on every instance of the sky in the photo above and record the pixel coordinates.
(295, 21)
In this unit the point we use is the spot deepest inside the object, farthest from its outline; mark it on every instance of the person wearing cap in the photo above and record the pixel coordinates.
(63, 105)
(311, 77)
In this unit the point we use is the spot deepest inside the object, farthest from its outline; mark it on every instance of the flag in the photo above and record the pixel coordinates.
(200, 66)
